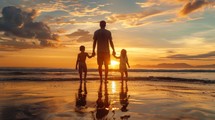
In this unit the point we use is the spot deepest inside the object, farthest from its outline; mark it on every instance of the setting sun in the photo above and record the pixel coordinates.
(114, 63)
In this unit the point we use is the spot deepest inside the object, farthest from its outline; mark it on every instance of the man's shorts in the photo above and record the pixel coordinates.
(103, 58)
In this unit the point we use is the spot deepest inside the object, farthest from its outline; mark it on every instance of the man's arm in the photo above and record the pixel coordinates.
(94, 45)
(89, 56)
(117, 57)
(112, 45)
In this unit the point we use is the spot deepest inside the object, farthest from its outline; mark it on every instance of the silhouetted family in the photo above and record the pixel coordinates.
(102, 39)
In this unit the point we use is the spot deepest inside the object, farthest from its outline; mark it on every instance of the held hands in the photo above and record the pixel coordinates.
(93, 54)
(114, 53)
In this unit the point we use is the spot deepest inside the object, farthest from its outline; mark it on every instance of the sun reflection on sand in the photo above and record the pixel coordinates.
(113, 87)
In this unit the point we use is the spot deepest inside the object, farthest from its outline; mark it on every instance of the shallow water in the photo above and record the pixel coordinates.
(40, 74)
(141, 99)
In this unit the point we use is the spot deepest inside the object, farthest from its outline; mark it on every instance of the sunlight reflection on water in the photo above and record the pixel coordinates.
(113, 86)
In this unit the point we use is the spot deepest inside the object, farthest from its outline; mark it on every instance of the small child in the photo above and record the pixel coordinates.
(81, 62)
(122, 65)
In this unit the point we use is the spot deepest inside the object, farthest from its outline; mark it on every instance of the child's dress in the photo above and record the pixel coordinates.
(122, 64)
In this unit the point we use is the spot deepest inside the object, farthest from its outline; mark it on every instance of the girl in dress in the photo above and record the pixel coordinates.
(123, 64)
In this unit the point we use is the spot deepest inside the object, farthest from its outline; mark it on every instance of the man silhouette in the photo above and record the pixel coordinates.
(102, 38)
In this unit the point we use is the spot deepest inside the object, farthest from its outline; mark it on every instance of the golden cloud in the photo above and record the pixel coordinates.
(188, 6)
(133, 19)
(87, 11)
(194, 5)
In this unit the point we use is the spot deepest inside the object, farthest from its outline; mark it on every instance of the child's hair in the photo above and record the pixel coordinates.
(123, 53)
(82, 48)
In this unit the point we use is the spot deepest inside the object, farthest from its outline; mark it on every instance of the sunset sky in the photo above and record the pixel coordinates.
(48, 33)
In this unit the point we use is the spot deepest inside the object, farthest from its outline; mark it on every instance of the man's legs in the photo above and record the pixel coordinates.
(106, 63)
(106, 72)
(100, 72)
(103, 58)
(100, 62)
(85, 88)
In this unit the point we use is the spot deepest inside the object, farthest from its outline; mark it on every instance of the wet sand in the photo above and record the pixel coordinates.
(148, 100)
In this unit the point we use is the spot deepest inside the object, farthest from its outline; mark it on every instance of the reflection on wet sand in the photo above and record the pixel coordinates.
(81, 97)
(124, 99)
(102, 104)
(34, 111)
(57, 100)
(104, 107)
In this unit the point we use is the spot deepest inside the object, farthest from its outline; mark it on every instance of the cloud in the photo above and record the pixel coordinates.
(14, 45)
(147, 4)
(133, 19)
(170, 51)
(59, 21)
(11, 43)
(15, 22)
(183, 19)
(81, 35)
(192, 57)
(188, 6)
(87, 11)
(74, 8)
(172, 2)
(194, 5)
(207, 34)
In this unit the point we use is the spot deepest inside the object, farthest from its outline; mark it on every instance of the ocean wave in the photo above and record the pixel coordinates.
(62, 74)
(150, 78)
(34, 73)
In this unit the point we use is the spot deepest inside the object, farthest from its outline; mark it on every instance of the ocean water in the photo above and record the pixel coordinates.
(62, 97)
(40, 74)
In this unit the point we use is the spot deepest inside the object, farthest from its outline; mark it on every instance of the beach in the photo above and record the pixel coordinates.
(107, 60)
(148, 100)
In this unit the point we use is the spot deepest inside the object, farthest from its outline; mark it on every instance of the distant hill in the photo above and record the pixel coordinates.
(174, 65)
(206, 66)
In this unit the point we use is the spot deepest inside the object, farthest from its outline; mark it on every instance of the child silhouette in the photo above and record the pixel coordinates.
(81, 62)
(122, 65)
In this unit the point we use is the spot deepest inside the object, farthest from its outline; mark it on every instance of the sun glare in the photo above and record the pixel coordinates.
(114, 63)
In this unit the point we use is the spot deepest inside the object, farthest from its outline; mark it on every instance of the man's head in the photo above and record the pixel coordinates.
(82, 48)
(102, 24)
